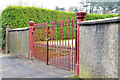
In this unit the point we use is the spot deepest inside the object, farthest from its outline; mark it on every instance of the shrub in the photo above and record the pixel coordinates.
(18, 16)
(1, 34)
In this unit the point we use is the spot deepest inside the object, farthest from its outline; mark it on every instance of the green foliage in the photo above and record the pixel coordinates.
(0, 33)
(18, 17)
(99, 16)
(75, 76)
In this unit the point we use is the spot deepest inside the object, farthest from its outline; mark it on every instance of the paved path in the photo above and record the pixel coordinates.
(13, 67)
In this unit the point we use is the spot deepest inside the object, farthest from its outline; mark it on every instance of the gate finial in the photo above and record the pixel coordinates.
(31, 23)
(80, 16)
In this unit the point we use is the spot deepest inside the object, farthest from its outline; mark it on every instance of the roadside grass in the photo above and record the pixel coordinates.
(75, 76)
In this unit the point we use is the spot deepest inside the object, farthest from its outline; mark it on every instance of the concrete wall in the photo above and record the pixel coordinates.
(19, 41)
(99, 47)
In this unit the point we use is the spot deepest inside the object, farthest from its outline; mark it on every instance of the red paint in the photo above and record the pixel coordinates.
(72, 42)
(47, 55)
(52, 33)
(50, 36)
(59, 54)
(75, 42)
(57, 45)
(65, 31)
(62, 32)
(57, 33)
(68, 44)
(80, 17)
(62, 41)
(68, 30)
(31, 24)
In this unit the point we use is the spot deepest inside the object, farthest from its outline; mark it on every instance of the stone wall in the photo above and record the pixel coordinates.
(19, 41)
(99, 47)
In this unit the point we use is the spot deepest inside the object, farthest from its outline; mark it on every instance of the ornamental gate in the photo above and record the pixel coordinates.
(58, 44)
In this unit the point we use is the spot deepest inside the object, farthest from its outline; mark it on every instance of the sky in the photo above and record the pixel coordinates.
(49, 4)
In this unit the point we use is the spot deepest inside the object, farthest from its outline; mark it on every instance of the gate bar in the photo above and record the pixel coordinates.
(47, 55)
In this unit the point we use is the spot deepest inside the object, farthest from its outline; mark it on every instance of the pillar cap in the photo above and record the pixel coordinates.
(31, 23)
(81, 14)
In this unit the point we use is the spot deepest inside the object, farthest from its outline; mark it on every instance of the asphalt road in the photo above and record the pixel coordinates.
(14, 67)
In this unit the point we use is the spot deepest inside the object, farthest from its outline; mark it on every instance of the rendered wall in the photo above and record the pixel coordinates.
(99, 47)
(19, 41)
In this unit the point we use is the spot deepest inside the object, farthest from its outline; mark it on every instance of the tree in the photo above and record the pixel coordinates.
(92, 5)
(107, 6)
(75, 10)
(62, 9)
(57, 8)
(118, 8)
(85, 5)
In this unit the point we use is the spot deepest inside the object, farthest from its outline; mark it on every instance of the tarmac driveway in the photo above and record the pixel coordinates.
(14, 67)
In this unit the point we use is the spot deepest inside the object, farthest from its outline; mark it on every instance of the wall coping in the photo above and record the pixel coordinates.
(19, 29)
(100, 21)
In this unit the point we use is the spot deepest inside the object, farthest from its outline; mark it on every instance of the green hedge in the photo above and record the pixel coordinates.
(1, 38)
(99, 16)
(1, 33)
(18, 16)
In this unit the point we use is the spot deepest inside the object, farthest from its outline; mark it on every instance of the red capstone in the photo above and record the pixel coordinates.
(31, 23)
(81, 16)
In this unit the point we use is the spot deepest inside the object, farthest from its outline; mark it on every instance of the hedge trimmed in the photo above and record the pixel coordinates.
(99, 16)
(18, 16)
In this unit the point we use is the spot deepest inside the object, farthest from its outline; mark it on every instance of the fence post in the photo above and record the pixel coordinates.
(31, 25)
(80, 17)
(7, 38)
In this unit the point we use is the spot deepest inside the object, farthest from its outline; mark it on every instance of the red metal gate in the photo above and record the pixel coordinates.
(61, 44)
(57, 44)
(40, 41)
